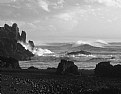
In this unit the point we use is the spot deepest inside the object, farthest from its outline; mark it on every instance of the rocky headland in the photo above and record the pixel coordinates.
(10, 45)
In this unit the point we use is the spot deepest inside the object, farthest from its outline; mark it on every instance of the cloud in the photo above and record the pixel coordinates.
(44, 4)
(13, 0)
(112, 3)
(71, 14)
(66, 16)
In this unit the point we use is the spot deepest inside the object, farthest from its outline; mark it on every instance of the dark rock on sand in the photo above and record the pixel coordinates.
(117, 70)
(49, 68)
(9, 63)
(9, 46)
(67, 67)
(104, 69)
(32, 68)
(107, 70)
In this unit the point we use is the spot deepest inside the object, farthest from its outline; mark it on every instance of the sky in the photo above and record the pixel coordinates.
(64, 20)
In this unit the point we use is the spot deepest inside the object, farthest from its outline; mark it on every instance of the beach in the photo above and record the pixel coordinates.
(47, 82)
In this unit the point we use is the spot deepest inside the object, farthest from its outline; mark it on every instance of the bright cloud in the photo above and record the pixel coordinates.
(44, 4)
(114, 3)
(71, 14)
(66, 16)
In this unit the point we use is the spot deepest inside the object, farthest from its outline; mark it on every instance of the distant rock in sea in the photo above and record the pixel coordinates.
(79, 52)
(9, 46)
(90, 48)
(67, 67)
(97, 59)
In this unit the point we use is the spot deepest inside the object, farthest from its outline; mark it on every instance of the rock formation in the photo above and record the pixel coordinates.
(67, 67)
(9, 46)
(32, 68)
(9, 63)
(15, 31)
(105, 69)
(79, 52)
(117, 70)
(23, 37)
(31, 43)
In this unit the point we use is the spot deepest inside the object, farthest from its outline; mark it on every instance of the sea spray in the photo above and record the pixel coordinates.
(97, 43)
(36, 51)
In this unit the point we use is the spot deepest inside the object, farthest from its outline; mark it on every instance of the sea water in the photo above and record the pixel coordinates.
(45, 65)
(83, 62)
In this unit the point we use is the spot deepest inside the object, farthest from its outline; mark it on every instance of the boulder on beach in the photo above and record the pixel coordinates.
(67, 67)
(32, 68)
(104, 69)
(117, 70)
(9, 63)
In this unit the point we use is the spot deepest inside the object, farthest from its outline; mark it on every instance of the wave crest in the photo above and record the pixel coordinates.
(97, 43)
(36, 51)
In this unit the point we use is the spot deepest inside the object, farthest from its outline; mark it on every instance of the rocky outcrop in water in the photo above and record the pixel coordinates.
(9, 63)
(79, 52)
(105, 69)
(9, 46)
(67, 67)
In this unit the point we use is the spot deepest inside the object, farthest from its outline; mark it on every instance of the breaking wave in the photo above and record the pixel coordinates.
(36, 51)
(97, 43)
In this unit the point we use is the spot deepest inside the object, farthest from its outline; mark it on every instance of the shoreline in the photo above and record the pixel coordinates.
(45, 72)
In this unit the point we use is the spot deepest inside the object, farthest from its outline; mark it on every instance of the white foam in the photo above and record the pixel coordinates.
(102, 41)
(97, 43)
(36, 51)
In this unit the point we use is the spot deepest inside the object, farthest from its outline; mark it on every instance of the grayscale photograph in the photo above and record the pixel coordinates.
(60, 46)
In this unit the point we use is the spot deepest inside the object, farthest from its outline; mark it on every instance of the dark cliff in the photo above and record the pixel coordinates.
(9, 46)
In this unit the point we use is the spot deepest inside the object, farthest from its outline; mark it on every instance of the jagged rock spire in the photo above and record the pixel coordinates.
(23, 36)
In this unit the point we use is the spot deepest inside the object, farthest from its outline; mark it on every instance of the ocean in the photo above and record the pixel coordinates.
(50, 54)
